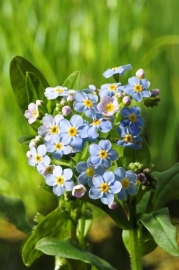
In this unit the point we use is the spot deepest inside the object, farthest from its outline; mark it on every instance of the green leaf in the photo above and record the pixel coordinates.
(13, 210)
(26, 139)
(19, 66)
(55, 224)
(167, 187)
(146, 241)
(146, 204)
(72, 81)
(142, 156)
(164, 233)
(35, 89)
(67, 249)
(117, 214)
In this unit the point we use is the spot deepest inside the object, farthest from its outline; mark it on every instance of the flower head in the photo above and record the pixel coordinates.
(38, 158)
(116, 70)
(57, 146)
(58, 91)
(50, 126)
(137, 88)
(108, 105)
(32, 113)
(127, 180)
(104, 187)
(102, 154)
(129, 139)
(99, 123)
(109, 89)
(60, 180)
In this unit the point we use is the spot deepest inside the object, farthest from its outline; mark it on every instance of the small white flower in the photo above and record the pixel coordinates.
(32, 113)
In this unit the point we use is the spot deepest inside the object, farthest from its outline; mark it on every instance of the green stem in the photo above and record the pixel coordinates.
(135, 255)
(82, 227)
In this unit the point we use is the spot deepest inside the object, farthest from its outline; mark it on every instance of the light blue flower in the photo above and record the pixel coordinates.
(116, 70)
(38, 158)
(104, 187)
(99, 123)
(109, 89)
(85, 103)
(58, 91)
(129, 139)
(127, 180)
(57, 147)
(50, 126)
(132, 119)
(137, 88)
(60, 180)
(87, 172)
(74, 131)
(102, 154)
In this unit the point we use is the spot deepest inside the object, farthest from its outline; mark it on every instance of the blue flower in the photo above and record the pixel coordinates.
(109, 89)
(60, 180)
(116, 70)
(73, 131)
(85, 103)
(87, 172)
(58, 91)
(132, 119)
(57, 147)
(104, 187)
(99, 123)
(39, 158)
(102, 154)
(137, 88)
(127, 180)
(50, 126)
(129, 139)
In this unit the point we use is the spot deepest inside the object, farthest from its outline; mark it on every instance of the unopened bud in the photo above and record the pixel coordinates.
(140, 74)
(112, 205)
(155, 92)
(78, 191)
(142, 178)
(70, 97)
(28, 154)
(66, 110)
(126, 100)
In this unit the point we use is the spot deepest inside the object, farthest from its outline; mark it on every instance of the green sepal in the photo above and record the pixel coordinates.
(35, 89)
(26, 139)
(72, 81)
(141, 156)
(118, 214)
(13, 210)
(163, 232)
(168, 186)
(19, 66)
(68, 249)
(54, 224)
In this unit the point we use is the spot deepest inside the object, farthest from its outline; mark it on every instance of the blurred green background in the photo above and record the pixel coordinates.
(61, 36)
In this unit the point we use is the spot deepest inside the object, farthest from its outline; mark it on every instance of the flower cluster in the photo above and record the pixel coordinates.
(94, 123)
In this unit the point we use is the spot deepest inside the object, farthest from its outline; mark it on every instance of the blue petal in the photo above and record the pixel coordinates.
(119, 173)
(131, 190)
(107, 198)
(137, 96)
(76, 120)
(58, 190)
(122, 194)
(113, 154)
(82, 178)
(81, 167)
(94, 149)
(69, 185)
(78, 106)
(105, 144)
(95, 193)
(108, 177)
(131, 176)
(116, 187)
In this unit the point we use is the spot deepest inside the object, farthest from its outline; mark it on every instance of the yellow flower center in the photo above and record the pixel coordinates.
(114, 68)
(58, 146)
(112, 87)
(109, 107)
(38, 158)
(59, 90)
(88, 103)
(60, 180)
(54, 130)
(128, 138)
(104, 187)
(132, 117)
(35, 113)
(103, 154)
(90, 172)
(125, 183)
(72, 131)
(138, 88)
(96, 122)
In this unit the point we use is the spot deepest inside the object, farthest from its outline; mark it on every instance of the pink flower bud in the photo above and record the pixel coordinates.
(28, 154)
(140, 74)
(113, 205)
(78, 191)
(70, 97)
(126, 100)
(155, 92)
(32, 143)
(66, 110)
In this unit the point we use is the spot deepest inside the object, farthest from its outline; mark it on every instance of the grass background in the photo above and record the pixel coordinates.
(61, 36)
